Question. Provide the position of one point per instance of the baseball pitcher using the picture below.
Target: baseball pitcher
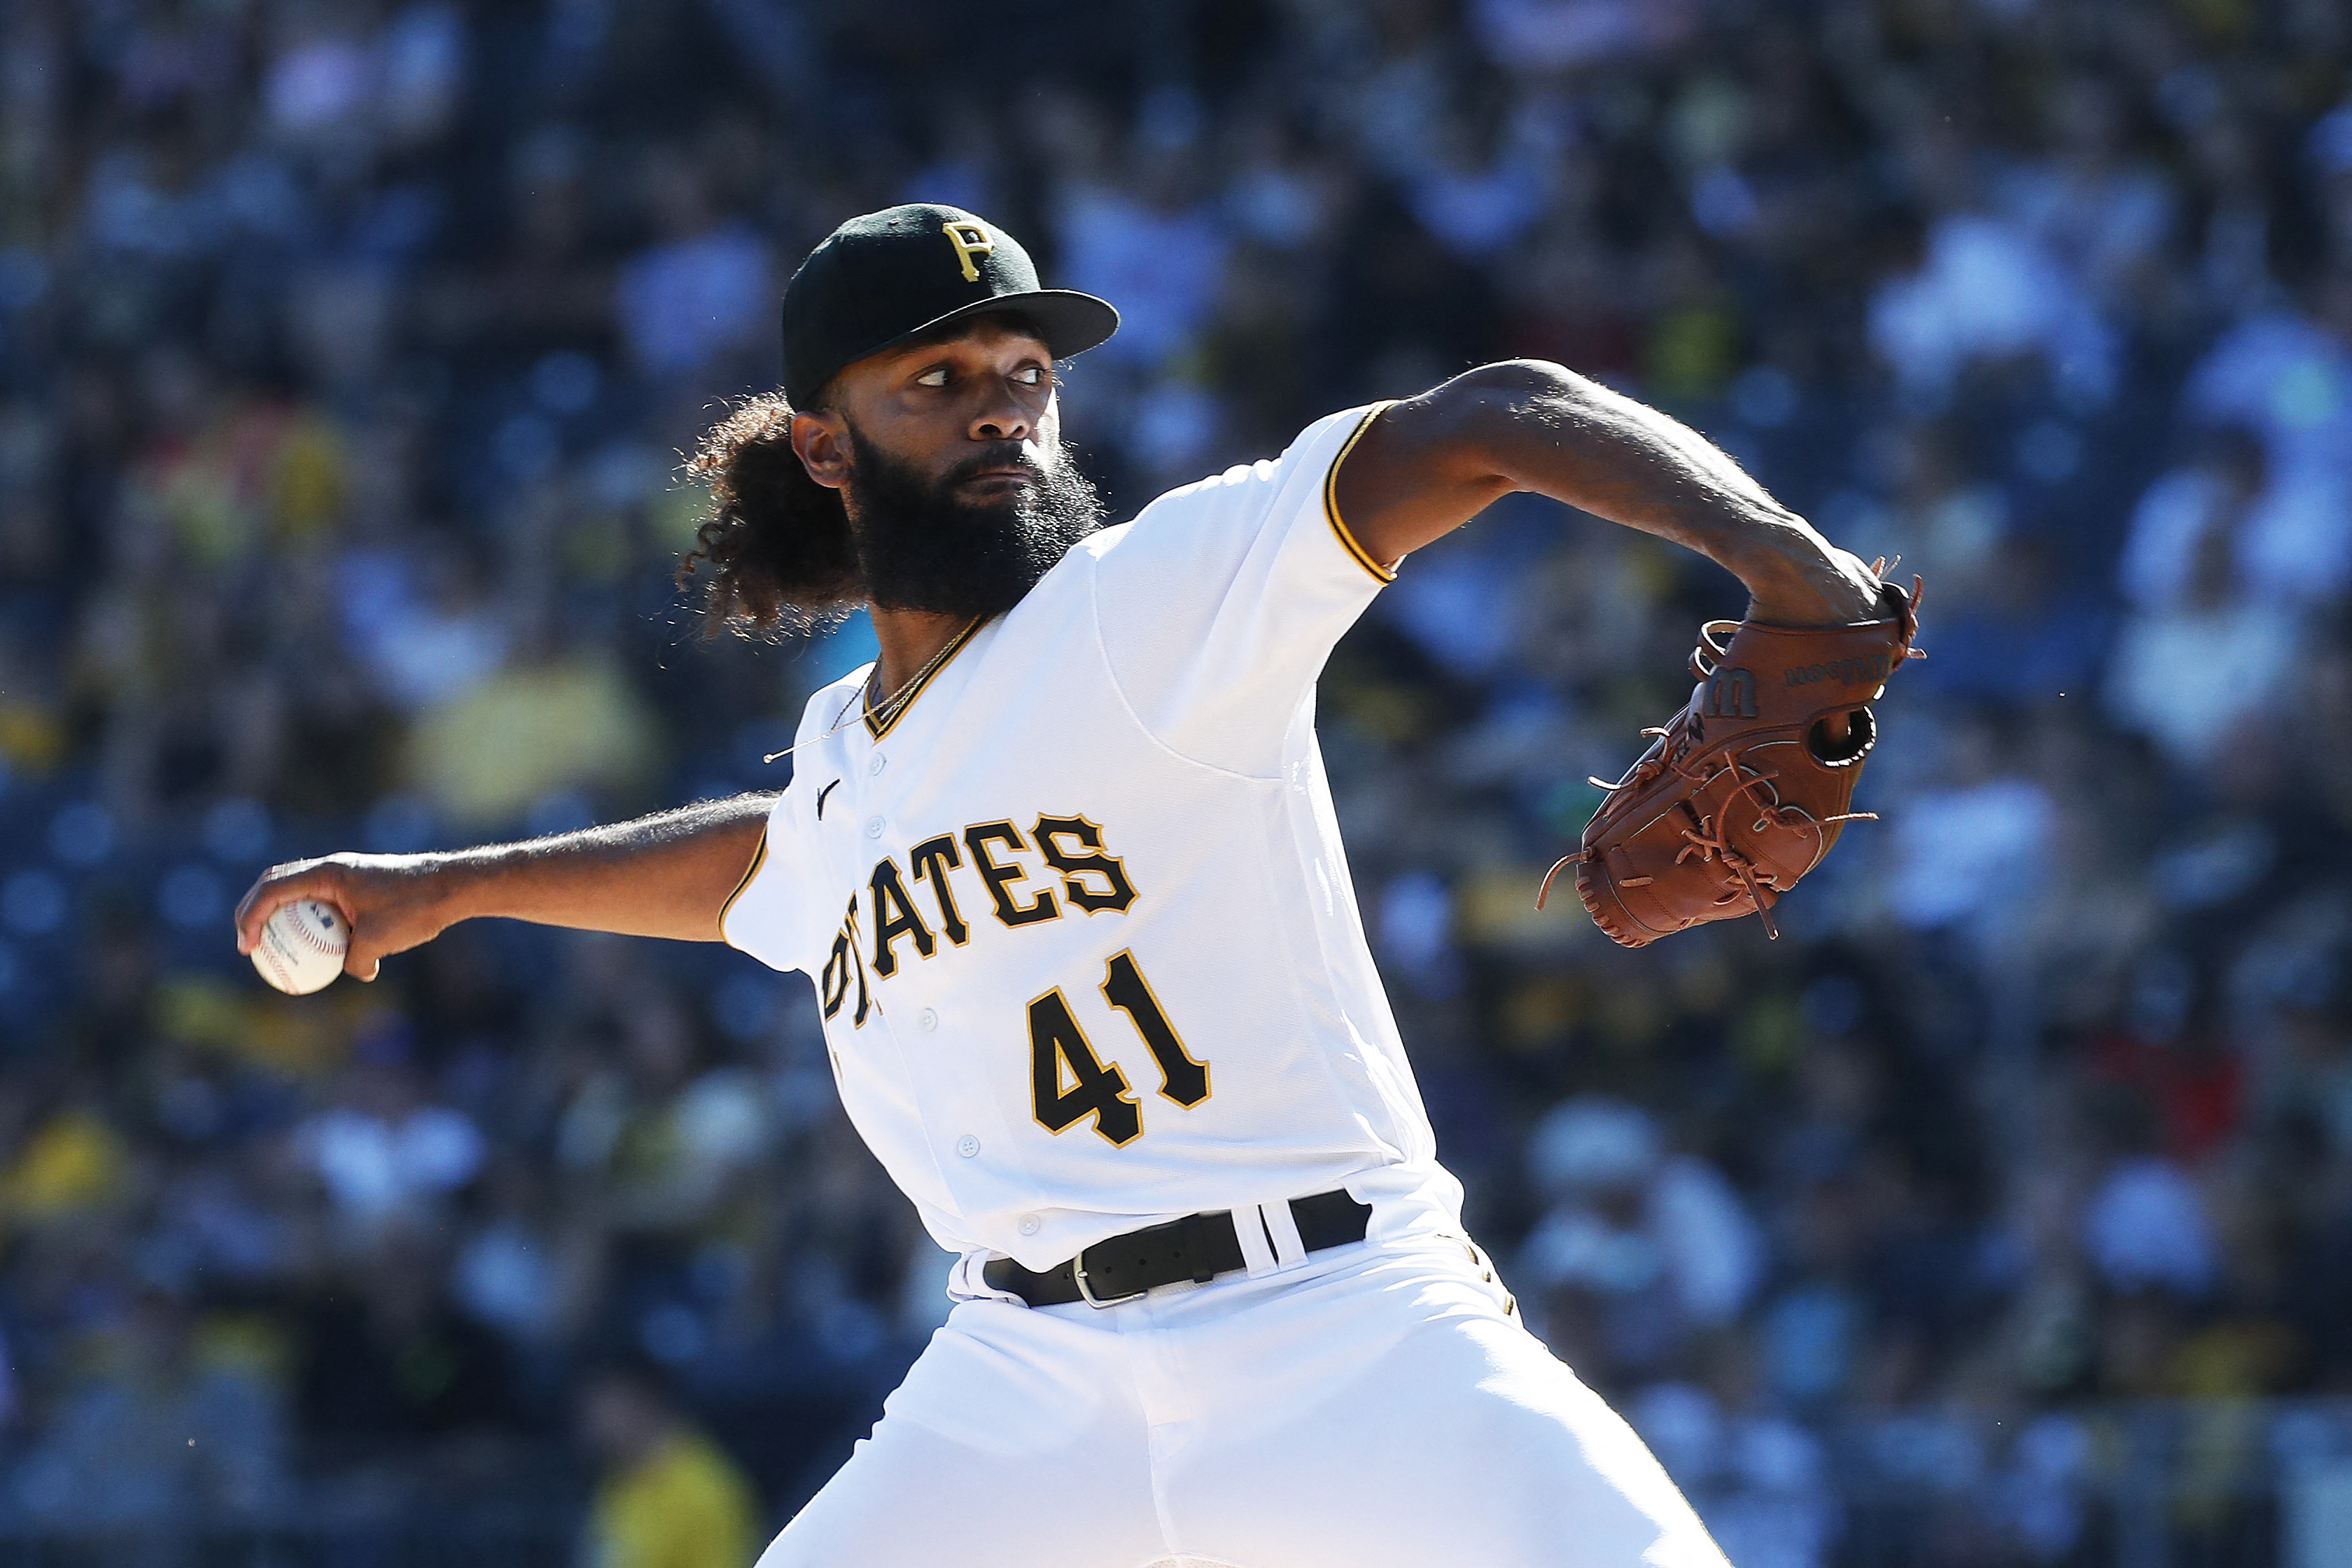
(1063, 872)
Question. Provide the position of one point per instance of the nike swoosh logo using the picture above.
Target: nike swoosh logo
(820, 798)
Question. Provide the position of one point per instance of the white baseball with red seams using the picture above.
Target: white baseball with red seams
(302, 946)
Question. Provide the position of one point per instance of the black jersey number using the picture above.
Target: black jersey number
(1182, 1079)
(1067, 1080)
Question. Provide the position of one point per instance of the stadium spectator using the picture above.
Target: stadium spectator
(668, 1498)
(342, 348)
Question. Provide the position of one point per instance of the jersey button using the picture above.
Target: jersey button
(872, 827)
(967, 1145)
(877, 763)
(1031, 1224)
(928, 1019)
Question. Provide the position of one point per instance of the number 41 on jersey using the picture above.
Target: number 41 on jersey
(1067, 1080)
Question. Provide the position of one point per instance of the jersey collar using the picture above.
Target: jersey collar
(878, 729)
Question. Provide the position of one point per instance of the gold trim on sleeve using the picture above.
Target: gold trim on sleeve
(1331, 498)
(759, 859)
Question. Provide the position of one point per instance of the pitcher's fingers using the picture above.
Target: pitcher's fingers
(364, 959)
(274, 890)
(254, 910)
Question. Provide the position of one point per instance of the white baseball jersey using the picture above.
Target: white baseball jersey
(1079, 918)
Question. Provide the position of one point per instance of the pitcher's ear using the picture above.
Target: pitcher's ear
(820, 442)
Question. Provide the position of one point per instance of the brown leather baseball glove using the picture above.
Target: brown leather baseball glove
(1746, 789)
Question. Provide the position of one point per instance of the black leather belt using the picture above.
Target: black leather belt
(1199, 1247)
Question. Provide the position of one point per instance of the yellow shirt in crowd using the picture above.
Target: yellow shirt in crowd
(684, 1505)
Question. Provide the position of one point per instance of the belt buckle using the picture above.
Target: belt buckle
(1078, 1271)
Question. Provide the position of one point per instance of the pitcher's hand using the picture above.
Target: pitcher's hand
(1814, 584)
(393, 902)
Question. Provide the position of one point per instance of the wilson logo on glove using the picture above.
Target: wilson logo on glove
(1849, 670)
(1731, 694)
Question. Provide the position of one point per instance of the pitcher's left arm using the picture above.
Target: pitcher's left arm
(1429, 464)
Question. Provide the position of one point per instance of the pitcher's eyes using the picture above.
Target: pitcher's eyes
(1028, 375)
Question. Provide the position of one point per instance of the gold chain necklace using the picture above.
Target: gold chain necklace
(885, 713)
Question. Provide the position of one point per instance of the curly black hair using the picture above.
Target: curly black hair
(781, 558)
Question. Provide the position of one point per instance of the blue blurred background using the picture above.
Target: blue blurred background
(2001, 1213)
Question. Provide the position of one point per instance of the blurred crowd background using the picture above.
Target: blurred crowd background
(2000, 1212)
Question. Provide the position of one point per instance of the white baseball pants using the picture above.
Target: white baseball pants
(1374, 1407)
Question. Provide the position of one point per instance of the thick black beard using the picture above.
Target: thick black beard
(919, 547)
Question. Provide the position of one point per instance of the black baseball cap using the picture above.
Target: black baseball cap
(886, 277)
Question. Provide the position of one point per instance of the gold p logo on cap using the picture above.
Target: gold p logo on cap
(970, 240)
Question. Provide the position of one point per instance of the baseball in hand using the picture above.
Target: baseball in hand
(302, 946)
